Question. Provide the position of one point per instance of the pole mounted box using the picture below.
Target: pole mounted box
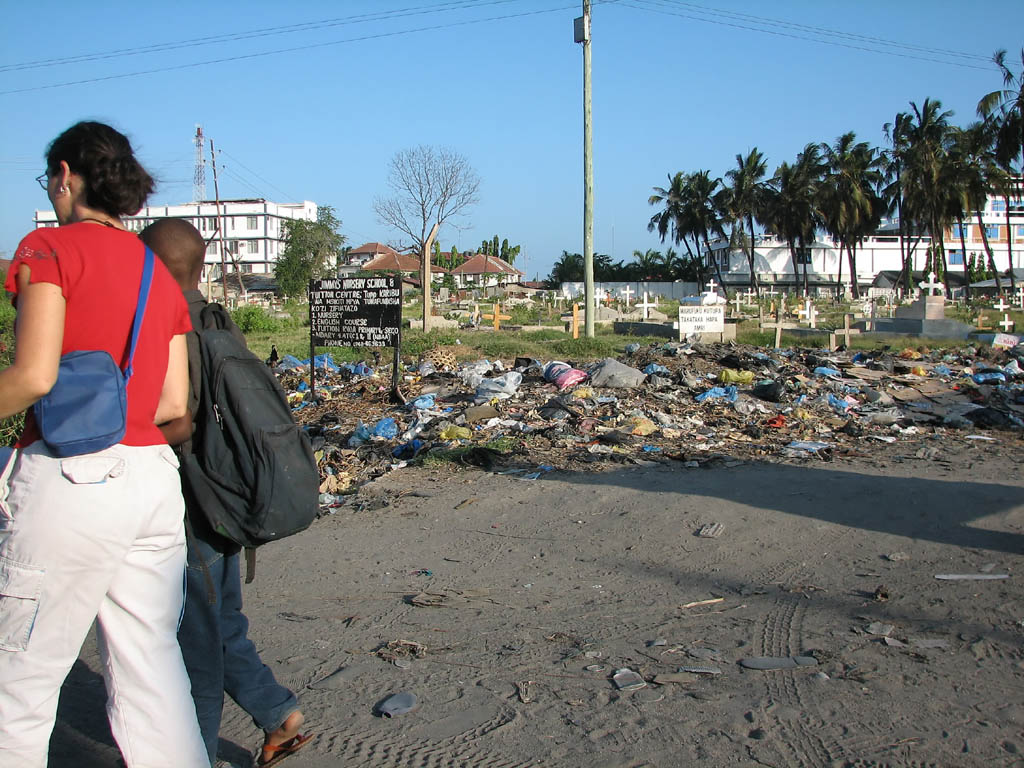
(581, 29)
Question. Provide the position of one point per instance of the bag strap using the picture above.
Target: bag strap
(140, 309)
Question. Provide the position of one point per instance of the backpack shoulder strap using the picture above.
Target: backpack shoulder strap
(214, 317)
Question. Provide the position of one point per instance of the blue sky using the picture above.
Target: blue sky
(676, 86)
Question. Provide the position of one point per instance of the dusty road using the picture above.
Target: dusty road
(525, 596)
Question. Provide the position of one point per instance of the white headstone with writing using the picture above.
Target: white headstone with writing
(703, 318)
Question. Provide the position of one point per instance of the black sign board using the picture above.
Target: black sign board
(356, 311)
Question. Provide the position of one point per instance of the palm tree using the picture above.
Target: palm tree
(975, 171)
(851, 205)
(685, 214)
(1005, 107)
(746, 199)
(894, 160)
(568, 269)
(648, 264)
(1004, 110)
(704, 198)
(791, 205)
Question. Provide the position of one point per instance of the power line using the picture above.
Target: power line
(654, 6)
(255, 33)
(293, 49)
(833, 32)
(251, 171)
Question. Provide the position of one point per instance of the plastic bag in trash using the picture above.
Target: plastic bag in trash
(611, 373)
(356, 369)
(640, 425)
(422, 403)
(452, 432)
(732, 376)
(984, 378)
(407, 451)
(632, 349)
(715, 393)
(772, 391)
(290, 362)
(324, 361)
(822, 370)
(501, 388)
(426, 368)
(656, 369)
(570, 378)
(554, 368)
(359, 436)
(386, 428)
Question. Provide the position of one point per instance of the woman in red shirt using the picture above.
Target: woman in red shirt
(99, 536)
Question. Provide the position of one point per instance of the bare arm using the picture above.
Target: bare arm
(39, 335)
(179, 430)
(174, 396)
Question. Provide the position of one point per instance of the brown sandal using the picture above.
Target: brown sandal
(272, 754)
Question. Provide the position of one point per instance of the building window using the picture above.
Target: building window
(254, 246)
(992, 232)
(211, 247)
(803, 255)
(211, 223)
(1020, 231)
(961, 230)
(956, 257)
(251, 222)
(997, 206)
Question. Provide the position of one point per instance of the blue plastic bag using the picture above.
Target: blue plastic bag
(729, 393)
(359, 436)
(660, 370)
(984, 378)
(386, 428)
(823, 371)
(407, 451)
(422, 403)
(839, 405)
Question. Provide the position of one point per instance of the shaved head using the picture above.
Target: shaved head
(180, 247)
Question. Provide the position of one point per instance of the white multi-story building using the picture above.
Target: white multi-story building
(877, 253)
(253, 230)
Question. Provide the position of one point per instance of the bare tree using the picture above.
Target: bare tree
(429, 185)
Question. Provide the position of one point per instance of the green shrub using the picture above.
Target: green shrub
(253, 319)
(415, 343)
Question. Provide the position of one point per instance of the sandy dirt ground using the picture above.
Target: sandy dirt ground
(509, 604)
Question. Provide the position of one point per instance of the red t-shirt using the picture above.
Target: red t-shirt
(98, 269)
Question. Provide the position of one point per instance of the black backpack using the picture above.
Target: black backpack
(251, 472)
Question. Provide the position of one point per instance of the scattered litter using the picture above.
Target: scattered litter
(710, 530)
(971, 576)
(626, 679)
(878, 628)
(700, 669)
(710, 601)
(397, 704)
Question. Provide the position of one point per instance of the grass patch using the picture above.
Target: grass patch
(454, 455)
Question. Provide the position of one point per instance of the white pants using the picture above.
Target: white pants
(98, 537)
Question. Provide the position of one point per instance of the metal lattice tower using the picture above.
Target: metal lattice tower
(199, 177)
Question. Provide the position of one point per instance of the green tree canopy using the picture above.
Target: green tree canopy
(311, 250)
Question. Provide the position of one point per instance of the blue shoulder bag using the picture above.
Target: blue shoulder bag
(86, 410)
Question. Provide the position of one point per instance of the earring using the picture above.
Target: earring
(63, 189)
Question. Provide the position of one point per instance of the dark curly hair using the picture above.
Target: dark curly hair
(115, 182)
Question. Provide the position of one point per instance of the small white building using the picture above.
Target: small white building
(253, 230)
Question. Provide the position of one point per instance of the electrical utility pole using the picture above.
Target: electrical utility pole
(220, 226)
(581, 34)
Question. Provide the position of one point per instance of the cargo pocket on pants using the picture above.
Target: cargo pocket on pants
(20, 586)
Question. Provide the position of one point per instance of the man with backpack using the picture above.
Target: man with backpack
(218, 654)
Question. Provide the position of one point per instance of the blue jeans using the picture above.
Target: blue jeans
(218, 654)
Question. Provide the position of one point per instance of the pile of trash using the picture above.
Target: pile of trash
(688, 405)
